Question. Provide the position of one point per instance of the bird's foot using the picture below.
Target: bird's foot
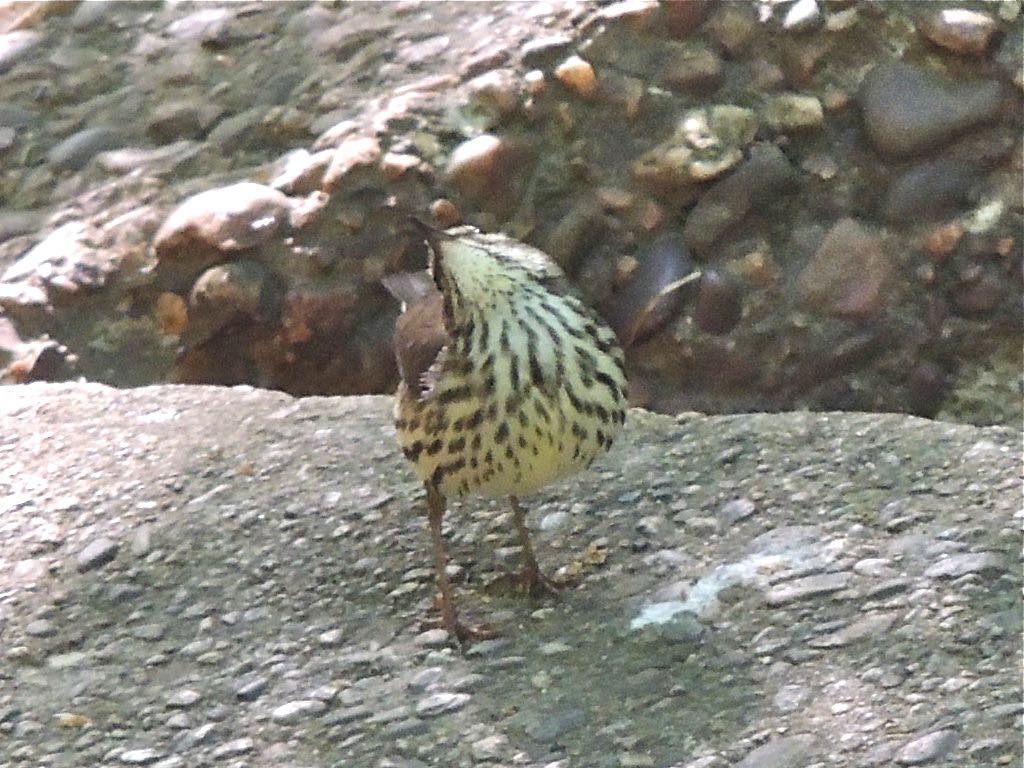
(536, 584)
(448, 620)
(464, 633)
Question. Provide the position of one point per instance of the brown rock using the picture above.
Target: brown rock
(229, 218)
(171, 313)
(691, 67)
(578, 76)
(488, 170)
(302, 172)
(681, 17)
(225, 294)
(959, 30)
(353, 154)
(719, 304)
(849, 275)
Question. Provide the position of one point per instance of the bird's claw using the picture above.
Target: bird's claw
(464, 633)
(536, 584)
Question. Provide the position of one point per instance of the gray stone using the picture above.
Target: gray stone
(553, 725)
(332, 638)
(439, 703)
(16, 116)
(955, 566)
(251, 689)
(234, 748)
(297, 711)
(183, 699)
(758, 182)
(928, 748)
(41, 628)
(97, 553)
(77, 150)
(15, 45)
(908, 109)
(733, 511)
(140, 756)
(785, 752)
(489, 748)
(808, 586)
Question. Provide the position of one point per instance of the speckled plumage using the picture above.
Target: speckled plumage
(528, 384)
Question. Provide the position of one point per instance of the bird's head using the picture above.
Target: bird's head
(474, 270)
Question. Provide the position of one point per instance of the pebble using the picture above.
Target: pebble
(41, 628)
(578, 76)
(140, 756)
(928, 748)
(15, 45)
(908, 109)
(485, 169)
(16, 116)
(707, 142)
(544, 51)
(871, 625)
(554, 725)
(849, 275)
(97, 553)
(793, 111)
(960, 30)
(929, 190)
(439, 703)
(736, 510)
(297, 711)
(649, 301)
(691, 67)
(554, 521)
(77, 150)
(808, 586)
(719, 306)
(954, 566)
(250, 690)
(228, 218)
(352, 156)
(784, 752)
(489, 748)
(332, 638)
(234, 748)
(183, 699)
(176, 120)
(802, 15)
(759, 181)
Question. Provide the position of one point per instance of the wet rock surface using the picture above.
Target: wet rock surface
(285, 145)
(202, 576)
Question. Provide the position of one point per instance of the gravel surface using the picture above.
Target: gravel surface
(231, 577)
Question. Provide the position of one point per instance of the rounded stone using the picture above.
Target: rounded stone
(97, 553)
(75, 152)
(230, 218)
(849, 274)
(909, 109)
(960, 30)
(297, 711)
(719, 303)
(928, 748)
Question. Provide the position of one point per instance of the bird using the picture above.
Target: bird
(508, 382)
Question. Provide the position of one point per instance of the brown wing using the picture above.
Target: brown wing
(419, 338)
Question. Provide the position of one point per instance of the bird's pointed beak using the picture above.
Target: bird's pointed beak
(435, 238)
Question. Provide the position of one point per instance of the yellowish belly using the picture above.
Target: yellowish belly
(481, 447)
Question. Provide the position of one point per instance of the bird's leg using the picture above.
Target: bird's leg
(531, 579)
(449, 618)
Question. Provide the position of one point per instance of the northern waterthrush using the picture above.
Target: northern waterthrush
(508, 381)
